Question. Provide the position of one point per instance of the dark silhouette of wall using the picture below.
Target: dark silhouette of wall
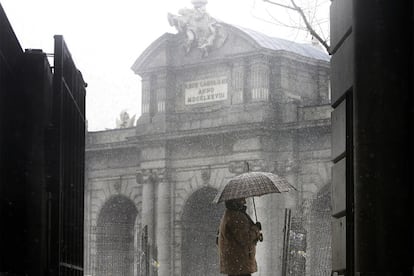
(42, 130)
(372, 93)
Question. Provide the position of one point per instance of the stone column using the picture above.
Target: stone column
(145, 177)
(163, 226)
(264, 250)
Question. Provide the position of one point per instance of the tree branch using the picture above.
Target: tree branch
(305, 20)
(280, 5)
(310, 28)
(280, 23)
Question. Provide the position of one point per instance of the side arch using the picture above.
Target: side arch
(108, 188)
(115, 232)
(187, 185)
(319, 240)
(200, 221)
(100, 192)
(187, 189)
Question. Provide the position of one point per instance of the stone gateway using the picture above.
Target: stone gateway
(206, 114)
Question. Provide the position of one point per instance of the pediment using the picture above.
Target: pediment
(174, 51)
(154, 56)
(169, 51)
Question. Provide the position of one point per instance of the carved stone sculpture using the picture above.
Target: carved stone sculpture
(201, 30)
(124, 121)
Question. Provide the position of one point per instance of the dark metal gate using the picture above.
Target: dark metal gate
(66, 139)
(42, 143)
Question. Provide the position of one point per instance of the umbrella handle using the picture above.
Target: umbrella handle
(254, 207)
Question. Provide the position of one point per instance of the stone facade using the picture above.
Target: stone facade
(204, 118)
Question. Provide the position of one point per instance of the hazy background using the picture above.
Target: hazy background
(105, 37)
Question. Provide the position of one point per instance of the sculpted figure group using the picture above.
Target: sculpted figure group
(201, 30)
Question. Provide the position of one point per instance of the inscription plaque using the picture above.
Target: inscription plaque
(206, 90)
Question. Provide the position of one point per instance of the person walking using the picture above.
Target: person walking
(237, 239)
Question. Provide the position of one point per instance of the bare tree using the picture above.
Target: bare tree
(308, 25)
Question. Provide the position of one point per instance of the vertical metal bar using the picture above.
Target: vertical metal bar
(289, 217)
(284, 244)
(285, 259)
(349, 189)
(66, 218)
(55, 163)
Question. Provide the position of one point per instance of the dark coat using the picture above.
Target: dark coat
(237, 240)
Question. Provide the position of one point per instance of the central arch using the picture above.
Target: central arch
(115, 237)
(200, 219)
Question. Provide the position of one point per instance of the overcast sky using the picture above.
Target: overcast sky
(105, 37)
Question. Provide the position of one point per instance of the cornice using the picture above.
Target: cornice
(109, 146)
(140, 141)
(259, 128)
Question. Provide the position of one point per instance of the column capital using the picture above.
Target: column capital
(243, 166)
(160, 175)
(150, 176)
(238, 167)
(206, 175)
(240, 62)
(260, 165)
(260, 59)
(143, 176)
(285, 167)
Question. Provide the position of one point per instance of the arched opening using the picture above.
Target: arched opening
(115, 237)
(319, 239)
(200, 219)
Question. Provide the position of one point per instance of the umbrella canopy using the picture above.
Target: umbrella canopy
(252, 184)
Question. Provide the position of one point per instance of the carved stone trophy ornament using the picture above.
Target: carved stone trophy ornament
(124, 121)
(200, 29)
